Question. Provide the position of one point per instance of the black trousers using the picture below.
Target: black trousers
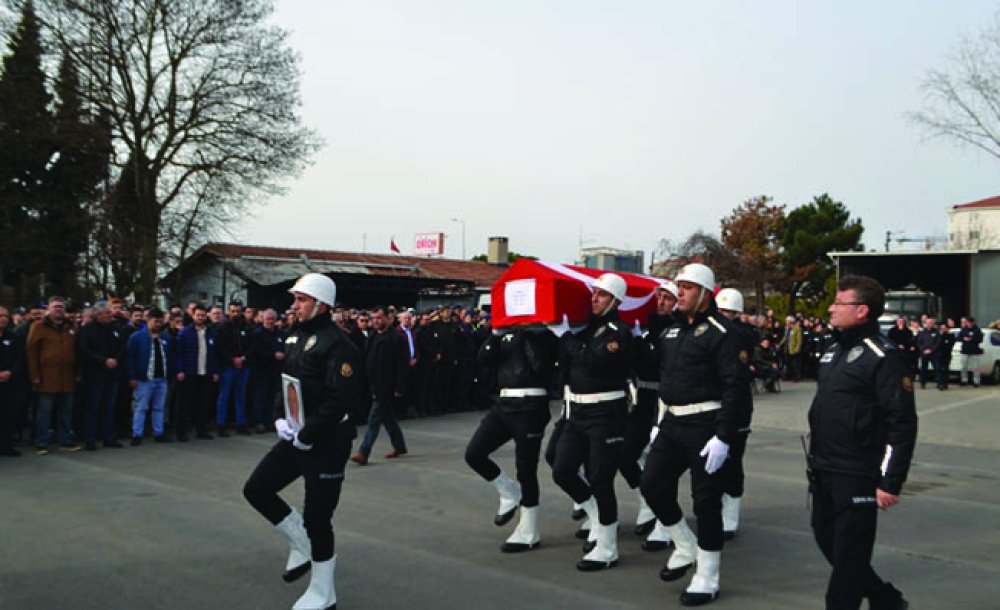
(6, 418)
(197, 403)
(675, 450)
(526, 426)
(638, 424)
(593, 435)
(322, 470)
(734, 482)
(844, 518)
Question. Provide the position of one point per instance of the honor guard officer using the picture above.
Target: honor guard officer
(863, 427)
(594, 367)
(730, 304)
(326, 363)
(642, 416)
(705, 401)
(524, 359)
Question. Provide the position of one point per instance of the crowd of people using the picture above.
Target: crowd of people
(101, 374)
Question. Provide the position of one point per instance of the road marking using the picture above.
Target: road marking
(955, 405)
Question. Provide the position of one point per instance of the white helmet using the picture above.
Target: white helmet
(668, 286)
(613, 284)
(318, 286)
(730, 299)
(699, 274)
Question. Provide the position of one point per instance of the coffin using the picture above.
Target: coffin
(538, 292)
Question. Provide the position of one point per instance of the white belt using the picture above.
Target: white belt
(647, 385)
(522, 392)
(590, 399)
(691, 409)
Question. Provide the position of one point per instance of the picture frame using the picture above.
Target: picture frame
(291, 394)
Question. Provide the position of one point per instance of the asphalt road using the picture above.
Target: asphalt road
(165, 526)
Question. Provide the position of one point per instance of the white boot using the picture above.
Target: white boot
(320, 595)
(299, 548)
(510, 498)
(645, 520)
(685, 551)
(658, 539)
(525, 536)
(704, 586)
(730, 516)
(577, 512)
(605, 552)
(589, 524)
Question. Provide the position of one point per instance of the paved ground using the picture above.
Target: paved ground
(165, 526)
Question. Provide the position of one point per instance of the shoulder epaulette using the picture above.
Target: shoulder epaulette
(717, 324)
(875, 348)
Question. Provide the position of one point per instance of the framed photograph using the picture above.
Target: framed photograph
(291, 392)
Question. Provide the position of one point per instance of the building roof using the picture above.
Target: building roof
(267, 265)
(991, 202)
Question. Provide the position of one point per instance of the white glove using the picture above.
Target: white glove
(284, 429)
(304, 447)
(562, 328)
(637, 330)
(717, 452)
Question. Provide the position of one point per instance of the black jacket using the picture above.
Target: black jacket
(705, 360)
(11, 356)
(264, 347)
(863, 420)
(95, 344)
(903, 338)
(647, 348)
(387, 364)
(524, 358)
(326, 363)
(599, 358)
(970, 339)
(233, 340)
(929, 339)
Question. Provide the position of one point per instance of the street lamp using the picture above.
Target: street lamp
(459, 220)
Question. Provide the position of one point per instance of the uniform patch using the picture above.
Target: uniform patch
(600, 331)
(613, 327)
(310, 342)
(744, 358)
(700, 329)
(673, 332)
(613, 347)
(346, 370)
(827, 357)
(292, 339)
(908, 384)
(855, 353)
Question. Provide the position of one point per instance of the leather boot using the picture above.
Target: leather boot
(704, 587)
(685, 551)
(525, 536)
(321, 594)
(510, 498)
(299, 547)
(605, 552)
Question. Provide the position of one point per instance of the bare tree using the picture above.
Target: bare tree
(203, 100)
(963, 100)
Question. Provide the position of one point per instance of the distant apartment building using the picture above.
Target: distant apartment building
(975, 225)
(613, 259)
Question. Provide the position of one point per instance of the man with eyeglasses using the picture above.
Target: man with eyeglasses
(863, 427)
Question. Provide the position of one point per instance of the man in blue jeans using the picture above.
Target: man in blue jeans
(388, 365)
(147, 362)
(234, 348)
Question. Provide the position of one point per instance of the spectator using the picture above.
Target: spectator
(216, 315)
(929, 344)
(765, 364)
(101, 348)
(269, 352)
(53, 367)
(947, 343)
(235, 351)
(791, 348)
(970, 337)
(197, 369)
(148, 367)
(10, 357)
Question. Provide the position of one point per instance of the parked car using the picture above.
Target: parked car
(989, 360)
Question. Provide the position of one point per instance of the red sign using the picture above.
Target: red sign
(428, 244)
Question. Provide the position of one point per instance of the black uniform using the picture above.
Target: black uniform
(642, 416)
(702, 361)
(596, 361)
(326, 363)
(749, 338)
(11, 357)
(524, 359)
(863, 426)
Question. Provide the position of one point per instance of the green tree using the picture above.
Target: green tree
(753, 234)
(26, 135)
(512, 257)
(810, 232)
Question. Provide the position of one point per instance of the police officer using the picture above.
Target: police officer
(525, 359)
(863, 427)
(730, 304)
(705, 402)
(594, 366)
(325, 362)
(642, 416)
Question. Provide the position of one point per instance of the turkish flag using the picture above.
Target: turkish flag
(393, 246)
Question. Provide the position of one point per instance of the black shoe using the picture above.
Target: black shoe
(205, 436)
(221, 432)
(655, 545)
(90, 446)
(578, 514)
(672, 574)
(136, 441)
(582, 534)
(588, 565)
(10, 452)
(296, 573)
(243, 431)
(697, 599)
(728, 535)
(163, 438)
(113, 445)
(891, 599)
(517, 547)
(589, 545)
(505, 517)
(182, 438)
(643, 529)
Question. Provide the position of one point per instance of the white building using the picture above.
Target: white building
(975, 226)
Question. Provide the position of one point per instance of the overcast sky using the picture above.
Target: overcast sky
(622, 122)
